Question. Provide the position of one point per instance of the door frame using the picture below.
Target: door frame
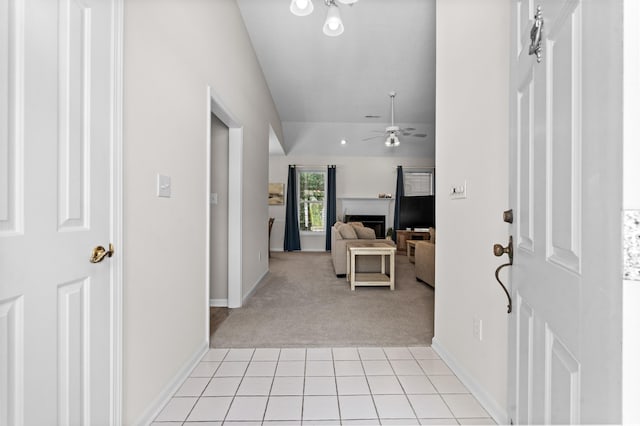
(631, 204)
(116, 263)
(216, 107)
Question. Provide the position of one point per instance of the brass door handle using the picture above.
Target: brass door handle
(99, 253)
(499, 250)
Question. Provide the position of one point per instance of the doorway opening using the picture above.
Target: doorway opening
(223, 286)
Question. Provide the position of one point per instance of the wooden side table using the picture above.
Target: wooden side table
(403, 236)
(371, 278)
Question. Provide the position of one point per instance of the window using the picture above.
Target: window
(418, 183)
(311, 200)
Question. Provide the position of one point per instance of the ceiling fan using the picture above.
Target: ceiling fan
(392, 132)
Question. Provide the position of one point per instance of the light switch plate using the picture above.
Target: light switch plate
(164, 186)
(459, 191)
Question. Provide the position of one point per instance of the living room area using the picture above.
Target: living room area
(306, 289)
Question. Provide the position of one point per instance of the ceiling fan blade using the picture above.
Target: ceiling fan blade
(408, 129)
(419, 135)
(373, 137)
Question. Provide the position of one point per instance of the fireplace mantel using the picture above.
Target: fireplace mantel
(354, 205)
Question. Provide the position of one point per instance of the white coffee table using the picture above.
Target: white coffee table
(371, 278)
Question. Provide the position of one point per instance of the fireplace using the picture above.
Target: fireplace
(375, 222)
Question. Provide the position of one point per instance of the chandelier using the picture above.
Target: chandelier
(333, 25)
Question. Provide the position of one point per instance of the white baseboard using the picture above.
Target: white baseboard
(219, 303)
(494, 409)
(174, 384)
(253, 289)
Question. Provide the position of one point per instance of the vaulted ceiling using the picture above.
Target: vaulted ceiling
(324, 87)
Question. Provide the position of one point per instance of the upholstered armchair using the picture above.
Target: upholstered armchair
(426, 259)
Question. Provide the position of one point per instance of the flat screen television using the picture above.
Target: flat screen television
(417, 212)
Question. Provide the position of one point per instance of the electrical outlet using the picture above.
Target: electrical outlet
(477, 329)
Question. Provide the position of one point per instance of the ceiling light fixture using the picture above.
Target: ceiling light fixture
(333, 25)
(301, 7)
(392, 140)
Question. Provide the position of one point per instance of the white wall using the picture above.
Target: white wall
(472, 123)
(219, 212)
(173, 51)
(355, 177)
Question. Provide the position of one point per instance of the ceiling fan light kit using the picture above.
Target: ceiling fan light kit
(393, 131)
(392, 140)
(333, 25)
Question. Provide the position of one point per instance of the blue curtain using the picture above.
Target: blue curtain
(331, 204)
(399, 195)
(291, 226)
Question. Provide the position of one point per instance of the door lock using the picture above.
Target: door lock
(507, 216)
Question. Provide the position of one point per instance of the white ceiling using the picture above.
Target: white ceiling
(324, 86)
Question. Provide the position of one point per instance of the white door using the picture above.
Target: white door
(55, 135)
(566, 140)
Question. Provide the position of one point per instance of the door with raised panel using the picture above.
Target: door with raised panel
(566, 139)
(56, 85)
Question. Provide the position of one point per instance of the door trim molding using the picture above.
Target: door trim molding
(216, 107)
(117, 231)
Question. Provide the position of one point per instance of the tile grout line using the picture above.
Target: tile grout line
(203, 389)
(304, 383)
(238, 388)
(273, 378)
(415, 413)
(335, 379)
(366, 379)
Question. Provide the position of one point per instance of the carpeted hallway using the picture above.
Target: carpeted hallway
(302, 303)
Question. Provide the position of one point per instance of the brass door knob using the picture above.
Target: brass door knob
(99, 253)
(499, 250)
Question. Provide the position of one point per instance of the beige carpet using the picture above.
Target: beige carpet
(302, 303)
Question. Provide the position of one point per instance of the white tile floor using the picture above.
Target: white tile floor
(322, 386)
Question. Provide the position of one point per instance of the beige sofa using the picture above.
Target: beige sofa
(426, 259)
(343, 234)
